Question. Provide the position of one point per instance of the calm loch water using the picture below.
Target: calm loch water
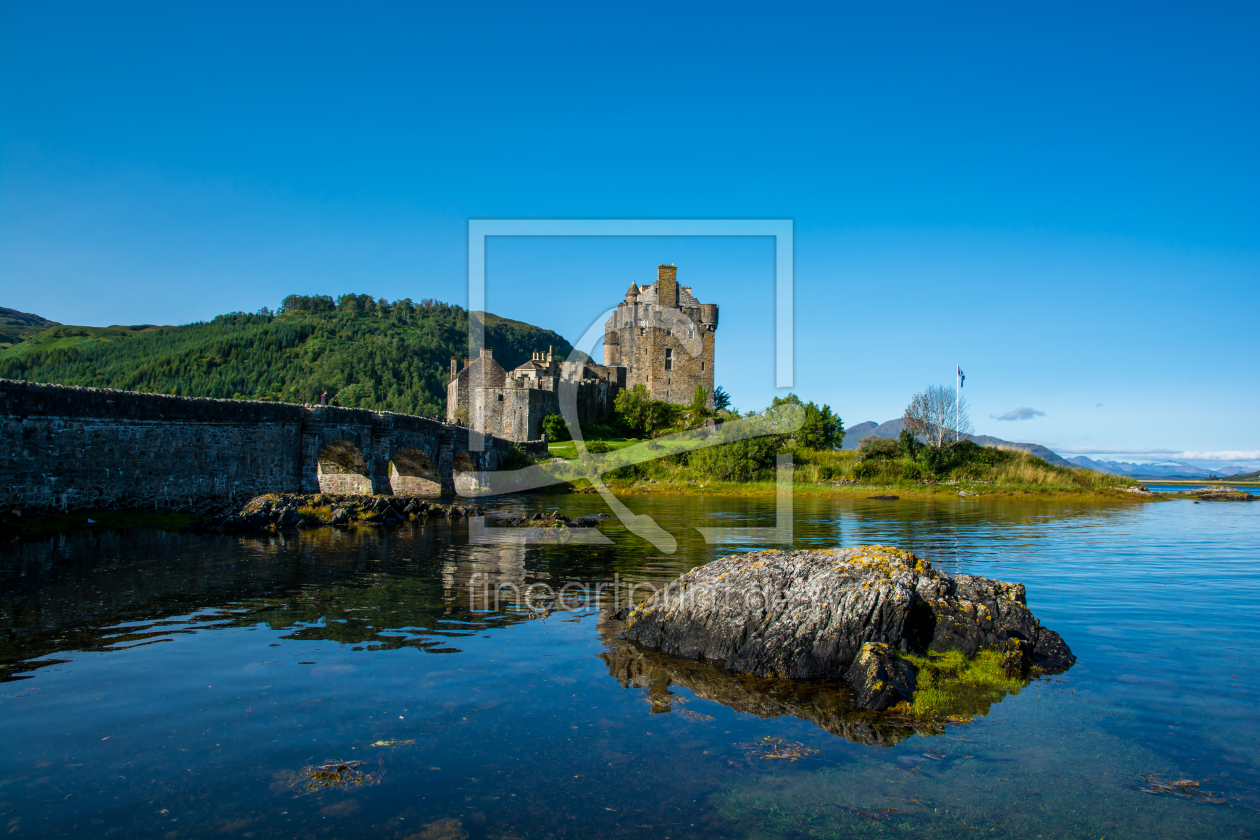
(331, 685)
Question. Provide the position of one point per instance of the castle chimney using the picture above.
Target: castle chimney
(454, 367)
(486, 353)
(667, 285)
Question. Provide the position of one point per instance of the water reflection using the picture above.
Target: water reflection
(195, 676)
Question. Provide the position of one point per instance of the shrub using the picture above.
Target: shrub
(824, 473)
(910, 471)
(602, 430)
(873, 448)
(555, 428)
(742, 460)
(911, 446)
(597, 446)
(517, 459)
(866, 470)
(638, 412)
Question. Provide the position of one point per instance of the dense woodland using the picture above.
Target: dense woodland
(369, 353)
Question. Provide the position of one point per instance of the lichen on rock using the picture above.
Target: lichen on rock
(812, 615)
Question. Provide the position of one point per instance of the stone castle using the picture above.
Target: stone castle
(660, 337)
(663, 337)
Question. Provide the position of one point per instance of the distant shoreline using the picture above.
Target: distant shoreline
(1228, 482)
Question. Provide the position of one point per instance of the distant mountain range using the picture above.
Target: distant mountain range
(1165, 469)
(892, 429)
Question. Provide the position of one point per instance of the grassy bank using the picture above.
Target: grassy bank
(843, 474)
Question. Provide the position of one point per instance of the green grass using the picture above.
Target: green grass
(568, 449)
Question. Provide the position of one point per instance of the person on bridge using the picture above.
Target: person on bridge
(323, 398)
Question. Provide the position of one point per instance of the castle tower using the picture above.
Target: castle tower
(664, 338)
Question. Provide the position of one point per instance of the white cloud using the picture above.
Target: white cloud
(1021, 413)
(1225, 455)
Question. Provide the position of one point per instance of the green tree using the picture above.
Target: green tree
(399, 361)
(721, 399)
(555, 428)
(820, 429)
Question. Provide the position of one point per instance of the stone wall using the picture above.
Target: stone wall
(517, 414)
(514, 413)
(69, 448)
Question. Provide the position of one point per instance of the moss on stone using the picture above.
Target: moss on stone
(949, 685)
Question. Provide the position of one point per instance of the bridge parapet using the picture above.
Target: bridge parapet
(71, 448)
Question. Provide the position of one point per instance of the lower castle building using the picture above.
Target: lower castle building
(660, 337)
(512, 404)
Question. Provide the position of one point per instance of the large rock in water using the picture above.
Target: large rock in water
(808, 614)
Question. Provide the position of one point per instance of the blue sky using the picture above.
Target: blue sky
(1062, 197)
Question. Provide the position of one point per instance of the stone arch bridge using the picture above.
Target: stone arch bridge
(70, 448)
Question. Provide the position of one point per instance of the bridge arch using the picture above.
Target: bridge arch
(464, 473)
(413, 473)
(342, 469)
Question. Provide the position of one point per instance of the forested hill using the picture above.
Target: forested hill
(370, 353)
(16, 326)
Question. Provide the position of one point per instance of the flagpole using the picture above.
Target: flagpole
(957, 407)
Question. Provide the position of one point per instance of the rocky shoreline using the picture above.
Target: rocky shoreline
(1215, 494)
(276, 512)
(550, 520)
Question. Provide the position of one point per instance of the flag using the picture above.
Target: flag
(962, 377)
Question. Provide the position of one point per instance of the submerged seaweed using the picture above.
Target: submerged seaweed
(334, 775)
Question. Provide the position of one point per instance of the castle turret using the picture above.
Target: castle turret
(632, 294)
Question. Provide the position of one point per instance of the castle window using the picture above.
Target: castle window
(702, 366)
(669, 359)
(642, 330)
(669, 332)
(500, 398)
